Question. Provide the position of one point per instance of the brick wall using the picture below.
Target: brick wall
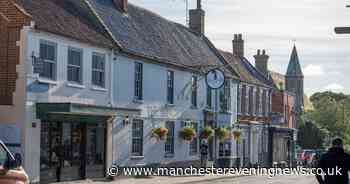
(278, 102)
(283, 102)
(12, 19)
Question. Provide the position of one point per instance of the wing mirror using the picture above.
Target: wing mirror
(13, 163)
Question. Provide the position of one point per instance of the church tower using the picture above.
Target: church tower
(295, 80)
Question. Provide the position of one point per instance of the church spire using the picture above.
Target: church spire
(294, 68)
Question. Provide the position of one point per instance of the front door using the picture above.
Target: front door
(72, 160)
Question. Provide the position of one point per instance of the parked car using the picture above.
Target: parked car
(11, 171)
(306, 156)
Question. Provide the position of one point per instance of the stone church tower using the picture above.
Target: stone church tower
(295, 80)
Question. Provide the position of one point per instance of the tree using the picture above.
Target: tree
(311, 136)
(331, 113)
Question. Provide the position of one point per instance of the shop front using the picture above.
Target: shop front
(281, 146)
(73, 141)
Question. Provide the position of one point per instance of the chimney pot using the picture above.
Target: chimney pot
(196, 22)
(238, 45)
(261, 62)
(239, 36)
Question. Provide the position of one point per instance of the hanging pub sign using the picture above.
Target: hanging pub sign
(215, 78)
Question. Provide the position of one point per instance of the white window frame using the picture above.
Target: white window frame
(103, 71)
(170, 86)
(134, 145)
(75, 66)
(169, 144)
(138, 82)
(53, 62)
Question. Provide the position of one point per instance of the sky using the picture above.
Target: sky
(275, 25)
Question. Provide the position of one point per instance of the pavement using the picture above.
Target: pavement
(205, 180)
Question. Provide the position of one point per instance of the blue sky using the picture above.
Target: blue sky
(272, 25)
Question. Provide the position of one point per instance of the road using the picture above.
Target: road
(266, 180)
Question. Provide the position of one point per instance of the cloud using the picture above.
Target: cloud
(313, 70)
(334, 87)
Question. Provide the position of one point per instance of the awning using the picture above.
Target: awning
(73, 112)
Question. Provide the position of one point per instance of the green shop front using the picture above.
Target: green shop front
(74, 140)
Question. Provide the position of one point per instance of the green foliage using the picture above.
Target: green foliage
(311, 136)
(207, 132)
(160, 133)
(331, 114)
(187, 133)
(222, 133)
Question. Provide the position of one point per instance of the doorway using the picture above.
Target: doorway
(71, 151)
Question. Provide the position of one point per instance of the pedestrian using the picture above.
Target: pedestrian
(335, 165)
(204, 152)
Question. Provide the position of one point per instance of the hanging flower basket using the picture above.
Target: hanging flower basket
(222, 133)
(188, 133)
(160, 133)
(237, 134)
(207, 132)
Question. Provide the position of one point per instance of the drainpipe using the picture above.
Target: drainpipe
(112, 58)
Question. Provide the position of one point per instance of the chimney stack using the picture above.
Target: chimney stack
(122, 5)
(197, 19)
(261, 62)
(238, 45)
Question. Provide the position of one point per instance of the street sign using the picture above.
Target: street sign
(215, 78)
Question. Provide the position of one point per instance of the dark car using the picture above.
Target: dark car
(11, 171)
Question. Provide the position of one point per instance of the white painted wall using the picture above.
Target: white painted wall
(155, 105)
(57, 91)
(154, 110)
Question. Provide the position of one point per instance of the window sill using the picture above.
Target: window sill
(96, 88)
(47, 81)
(137, 157)
(76, 85)
(138, 101)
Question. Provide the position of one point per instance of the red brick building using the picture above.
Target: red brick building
(283, 104)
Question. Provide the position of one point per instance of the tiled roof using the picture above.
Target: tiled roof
(145, 33)
(69, 18)
(294, 68)
(246, 71)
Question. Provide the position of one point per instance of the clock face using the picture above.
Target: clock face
(215, 78)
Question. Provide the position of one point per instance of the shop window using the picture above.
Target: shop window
(137, 138)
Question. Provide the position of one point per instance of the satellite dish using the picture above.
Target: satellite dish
(215, 78)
